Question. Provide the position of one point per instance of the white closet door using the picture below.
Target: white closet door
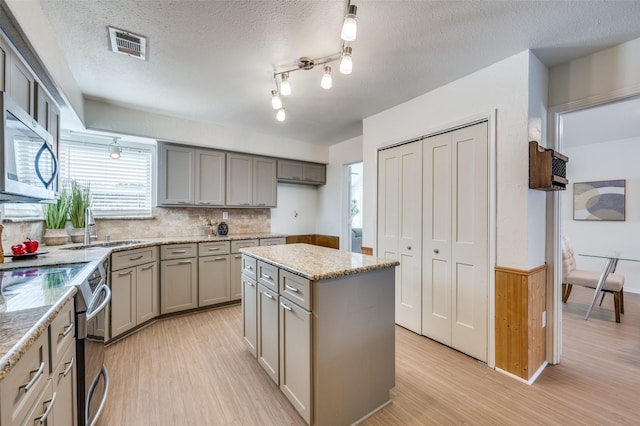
(400, 226)
(455, 286)
(436, 293)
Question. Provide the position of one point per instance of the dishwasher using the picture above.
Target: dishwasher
(92, 302)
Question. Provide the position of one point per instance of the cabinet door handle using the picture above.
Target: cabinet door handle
(34, 379)
(250, 284)
(183, 262)
(66, 330)
(268, 295)
(178, 251)
(122, 274)
(43, 418)
(267, 277)
(204, 202)
(249, 267)
(237, 256)
(286, 307)
(293, 289)
(136, 258)
(261, 204)
(213, 249)
(219, 258)
(69, 367)
(183, 202)
(146, 268)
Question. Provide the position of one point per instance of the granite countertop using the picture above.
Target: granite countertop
(27, 311)
(318, 263)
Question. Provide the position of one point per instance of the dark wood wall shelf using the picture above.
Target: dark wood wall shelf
(547, 168)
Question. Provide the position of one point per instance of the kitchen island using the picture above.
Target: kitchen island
(321, 324)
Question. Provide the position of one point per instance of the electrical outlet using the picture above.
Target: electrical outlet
(225, 215)
(544, 319)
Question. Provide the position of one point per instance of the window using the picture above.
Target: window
(118, 187)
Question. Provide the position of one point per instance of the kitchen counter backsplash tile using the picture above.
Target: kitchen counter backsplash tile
(318, 263)
(164, 223)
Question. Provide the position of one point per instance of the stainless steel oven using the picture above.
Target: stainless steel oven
(92, 303)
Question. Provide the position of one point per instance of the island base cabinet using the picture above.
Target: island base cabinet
(178, 285)
(268, 332)
(295, 357)
(250, 314)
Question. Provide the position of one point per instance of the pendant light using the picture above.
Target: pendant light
(346, 65)
(114, 149)
(276, 102)
(285, 87)
(326, 81)
(350, 26)
(280, 115)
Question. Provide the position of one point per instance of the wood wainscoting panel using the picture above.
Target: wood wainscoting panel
(520, 305)
(315, 239)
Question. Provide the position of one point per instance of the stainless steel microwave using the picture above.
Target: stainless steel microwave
(28, 164)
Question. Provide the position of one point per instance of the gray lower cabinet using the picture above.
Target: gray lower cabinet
(268, 348)
(250, 314)
(214, 273)
(178, 277)
(64, 385)
(135, 296)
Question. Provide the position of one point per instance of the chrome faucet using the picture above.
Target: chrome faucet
(89, 221)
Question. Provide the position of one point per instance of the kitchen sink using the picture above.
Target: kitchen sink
(97, 244)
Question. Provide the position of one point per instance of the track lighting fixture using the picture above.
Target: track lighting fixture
(285, 87)
(281, 77)
(276, 102)
(346, 66)
(114, 149)
(350, 26)
(326, 81)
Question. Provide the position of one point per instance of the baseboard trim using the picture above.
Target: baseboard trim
(525, 381)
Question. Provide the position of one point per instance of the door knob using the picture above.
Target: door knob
(408, 247)
(436, 251)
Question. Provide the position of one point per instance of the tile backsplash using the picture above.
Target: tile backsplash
(166, 222)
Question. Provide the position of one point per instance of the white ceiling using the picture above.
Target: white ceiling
(213, 60)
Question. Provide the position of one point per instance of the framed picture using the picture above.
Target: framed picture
(602, 200)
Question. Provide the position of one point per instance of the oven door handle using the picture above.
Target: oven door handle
(92, 388)
(93, 311)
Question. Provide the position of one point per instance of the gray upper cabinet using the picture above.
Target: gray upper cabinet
(301, 172)
(5, 59)
(190, 177)
(239, 180)
(21, 84)
(210, 177)
(265, 184)
(251, 181)
(176, 174)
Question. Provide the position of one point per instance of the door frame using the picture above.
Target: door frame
(553, 243)
(491, 118)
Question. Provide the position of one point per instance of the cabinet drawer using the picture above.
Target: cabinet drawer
(61, 333)
(272, 241)
(213, 248)
(268, 275)
(249, 266)
(134, 257)
(25, 382)
(178, 251)
(296, 289)
(237, 245)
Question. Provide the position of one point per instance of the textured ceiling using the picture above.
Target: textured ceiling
(213, 60)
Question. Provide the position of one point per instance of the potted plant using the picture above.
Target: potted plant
(55, 219)
(79, 201)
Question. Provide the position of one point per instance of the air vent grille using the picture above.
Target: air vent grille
(128, 43)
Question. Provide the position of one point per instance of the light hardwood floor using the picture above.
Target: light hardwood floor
(194, 370)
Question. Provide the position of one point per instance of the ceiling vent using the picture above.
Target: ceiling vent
(128, 43)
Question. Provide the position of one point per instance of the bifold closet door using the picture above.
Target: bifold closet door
(400, 226)
(455, 239)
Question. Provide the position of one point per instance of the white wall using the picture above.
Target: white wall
(333, 206)
(606, 161)
(502, 87)
(297, 209)
(538, 89)
(610, 72)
